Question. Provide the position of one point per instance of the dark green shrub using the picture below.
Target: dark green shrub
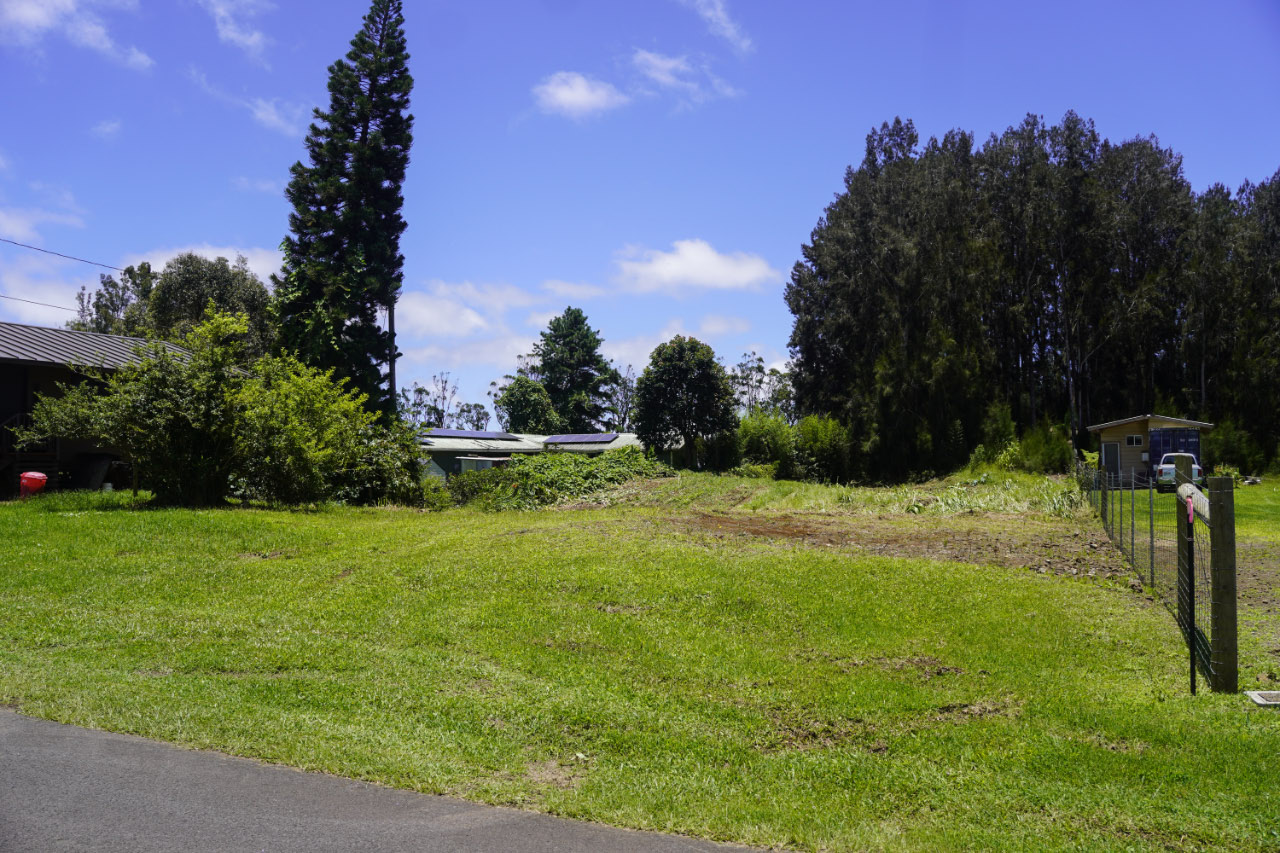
(435, 494)
(756, 472)
(719, 452)
(1228, 444)
(1044, 450)
(824, 443)
(767, 439)
(998, 430)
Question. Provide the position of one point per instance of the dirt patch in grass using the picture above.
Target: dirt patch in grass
(791, 731)
(925, 666)
(1258, 575)
(554, 774)
(963, 712)
(1062, 548)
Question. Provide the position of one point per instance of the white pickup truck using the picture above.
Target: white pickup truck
(1166, 480)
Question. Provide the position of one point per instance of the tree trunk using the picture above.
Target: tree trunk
(391, 352)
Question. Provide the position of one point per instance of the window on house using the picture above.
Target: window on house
(1133, 440)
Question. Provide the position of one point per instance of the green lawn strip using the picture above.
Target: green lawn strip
(1258, 511)
(576, 663)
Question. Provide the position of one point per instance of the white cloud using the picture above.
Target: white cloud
(540, 319)
(258, 185)
(692, 264)
(262, 262)
(576, 96)
(500, 351)
(572, 290)
(107, 128)
(719, 325)
(22, 224)
(276, 114)
(694, 83)
(483, 297)
(281, 116)
(716, 15)
(27, 22)
(41, 279)
(636, 350)
(231, 17)
(435, 315)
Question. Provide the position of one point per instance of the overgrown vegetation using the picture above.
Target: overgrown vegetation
(202, 425)
(646, 667)
(543, 479)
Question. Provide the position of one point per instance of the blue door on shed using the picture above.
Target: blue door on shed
(1173, 440)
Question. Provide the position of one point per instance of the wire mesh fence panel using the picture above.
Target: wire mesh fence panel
(1174, 556)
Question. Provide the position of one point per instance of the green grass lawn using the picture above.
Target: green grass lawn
(622, 665)
(1258, 511)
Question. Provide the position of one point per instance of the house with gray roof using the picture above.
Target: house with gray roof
(35, 360)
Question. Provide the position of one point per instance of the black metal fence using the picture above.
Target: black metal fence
(1181, 543)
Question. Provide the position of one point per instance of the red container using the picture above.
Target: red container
(31, 483)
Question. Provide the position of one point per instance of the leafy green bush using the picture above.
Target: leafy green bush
(756, 472)
(435, 494)
(1044, 450)
(826, 447)
(998, 428)
(529, 482)
(299, 434)
(469, 486)
(202, 425)
(1228, 444)
(767, 439)
(387, 470)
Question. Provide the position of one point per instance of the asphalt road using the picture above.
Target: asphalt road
(66, 788)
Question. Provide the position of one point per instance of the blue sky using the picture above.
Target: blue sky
(657, 163)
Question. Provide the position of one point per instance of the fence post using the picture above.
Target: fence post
(1133, 521)
(1222, 572)
(1186, 577)
(1151, 521)
(1102, 501)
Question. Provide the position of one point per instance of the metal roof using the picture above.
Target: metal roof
(1134, 420)
(436, 432)
(522, 443)
(40, 345)
(622, 439)
(582, 438)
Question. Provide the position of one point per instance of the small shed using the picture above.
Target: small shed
(1134, 445)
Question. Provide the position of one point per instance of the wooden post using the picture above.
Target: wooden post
(1222, 568)
(1186, 580)
(1151, 524)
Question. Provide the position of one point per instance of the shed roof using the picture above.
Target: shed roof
(1178, 421)
(21, 344)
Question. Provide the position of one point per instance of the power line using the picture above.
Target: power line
(59, 254)
(33, 302)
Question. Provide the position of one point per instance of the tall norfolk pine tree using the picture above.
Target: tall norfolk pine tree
(342, 261)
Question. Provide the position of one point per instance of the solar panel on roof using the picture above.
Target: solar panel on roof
(582, 438)
(472, 433)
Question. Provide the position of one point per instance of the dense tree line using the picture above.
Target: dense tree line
(1073, 279)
